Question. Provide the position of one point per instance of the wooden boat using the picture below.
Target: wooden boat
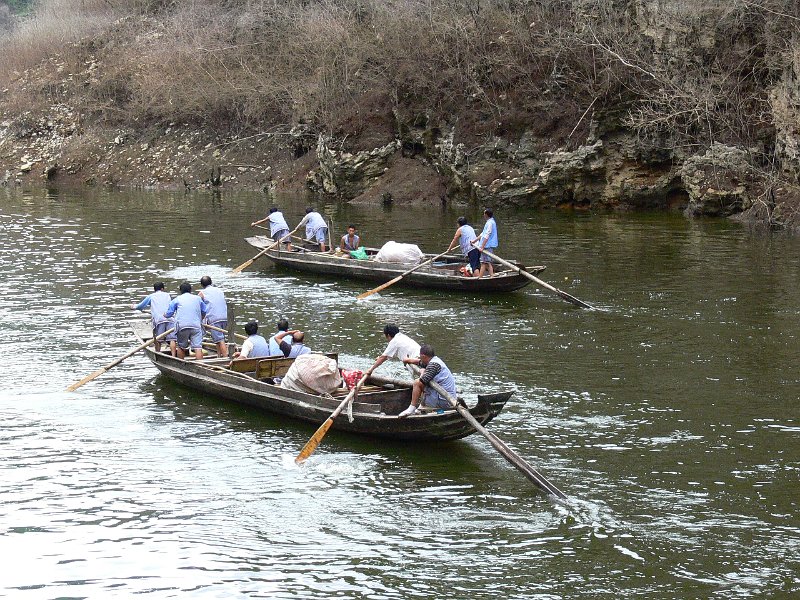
(250, 381)
(443, 274)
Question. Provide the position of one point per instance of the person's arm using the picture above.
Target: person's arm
(431, 371)
(378, 362)
(143, 304)
(247, 348)
(260, 221)
(456, 236)
(410, 361)
(488, 234)
(173, 306)
(203, 307)
(341, 243)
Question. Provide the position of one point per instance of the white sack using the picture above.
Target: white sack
(313, 374)
(395, 252)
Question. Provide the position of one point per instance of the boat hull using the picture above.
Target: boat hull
(443, 275)
(374, 413)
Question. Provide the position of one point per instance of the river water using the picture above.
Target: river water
(669, 415)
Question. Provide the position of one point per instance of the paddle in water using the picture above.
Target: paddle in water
(246, 264)
(102, 370)
(399, 277)
(515, 459)
(544, 284)
(315, 440)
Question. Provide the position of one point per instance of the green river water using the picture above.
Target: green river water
(669, 415)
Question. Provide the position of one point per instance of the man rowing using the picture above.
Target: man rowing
(158, 302)
(278, 228)
(188, 311)
(316, 227)
(488, 241)
(400, 346)
(465, 234)
(216, 312)
(435, 372)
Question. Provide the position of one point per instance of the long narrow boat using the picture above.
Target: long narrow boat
(443, 274)
(250, 381)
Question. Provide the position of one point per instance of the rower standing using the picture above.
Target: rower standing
(278, 228)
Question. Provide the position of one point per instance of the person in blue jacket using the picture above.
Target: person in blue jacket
(188, 311)
(158, 302)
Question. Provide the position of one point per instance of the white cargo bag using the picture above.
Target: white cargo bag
(313, 374)
(395, 252)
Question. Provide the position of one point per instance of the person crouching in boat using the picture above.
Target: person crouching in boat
(188, 311)
(295, 346)
(316, 228)
(435, 371)
(278, 229)
(158, 302)
(465, 234)
(255, 345)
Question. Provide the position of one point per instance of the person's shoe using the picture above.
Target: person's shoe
(411, 410)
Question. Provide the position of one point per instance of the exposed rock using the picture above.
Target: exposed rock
(719, 182)
(347, 175)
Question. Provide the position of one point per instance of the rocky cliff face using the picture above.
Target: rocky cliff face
(662, 142)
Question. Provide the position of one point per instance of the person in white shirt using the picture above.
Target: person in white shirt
(400, 346)
(316, 228)
(254, 345)
(278, 228)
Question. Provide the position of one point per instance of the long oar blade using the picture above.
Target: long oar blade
(102, 370)
(379, 288)
(315, 440)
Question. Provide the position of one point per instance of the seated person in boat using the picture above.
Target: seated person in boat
(278, 229)
(255, 345)
(316, 228)
(216, 314)
(295, 345)
(400, 346)
(188, 311)
(435, 371)
(350, 241)
(465, 234)
(158, 302)
(274, 344)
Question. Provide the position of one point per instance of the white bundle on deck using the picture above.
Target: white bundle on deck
(313, 374)
(394, 252)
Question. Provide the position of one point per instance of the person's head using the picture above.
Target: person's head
(205, 281)
(309, 209)
(426, 353)
(488, 212)
(298, 337)
(251, 328)
(158, 286)
(351, 229)
(185, 288)
(273, 209)
(283, 325)
(391, 330)
(461, 221)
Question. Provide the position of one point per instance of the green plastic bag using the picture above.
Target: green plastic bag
(359, 254)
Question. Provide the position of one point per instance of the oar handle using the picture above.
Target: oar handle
(215, 328)
(113, 364)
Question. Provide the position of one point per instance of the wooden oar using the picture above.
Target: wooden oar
(399, 277)
(246, 264)
(215, 328)
(315, 440)
(515, 459)
(544, 284)
(99, 372)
